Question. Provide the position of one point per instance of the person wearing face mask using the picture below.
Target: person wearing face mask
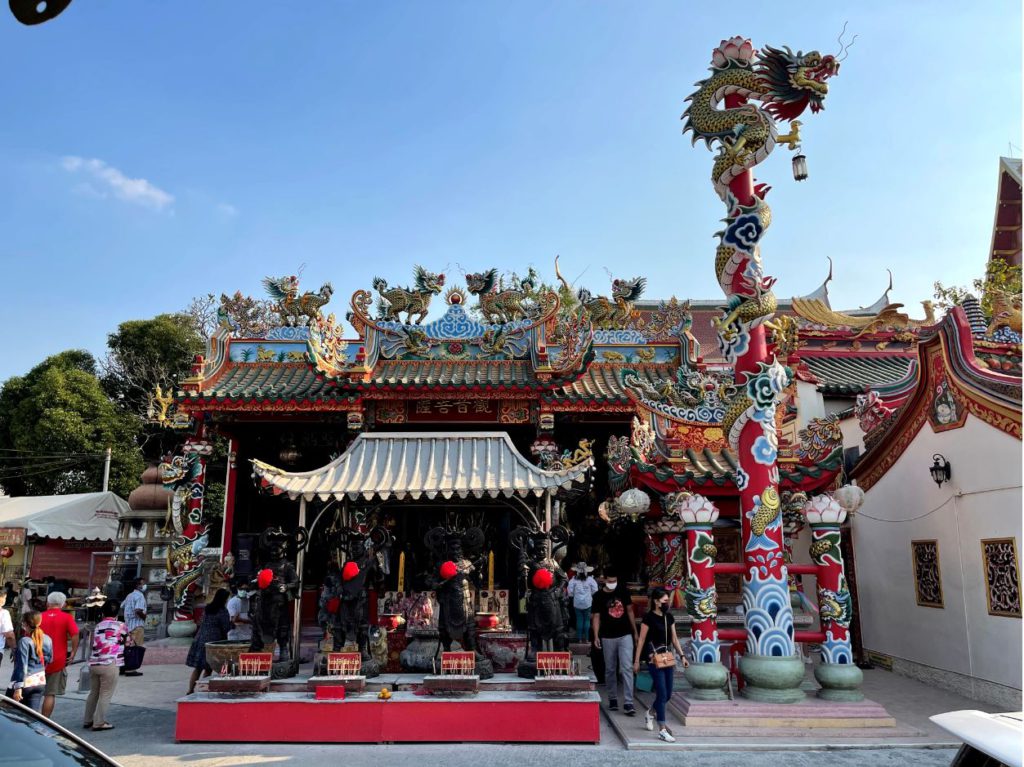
(658, 635)
(241, 630)
(135, 618)
(615, 636)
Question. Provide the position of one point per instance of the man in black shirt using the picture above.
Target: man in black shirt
(615, 635)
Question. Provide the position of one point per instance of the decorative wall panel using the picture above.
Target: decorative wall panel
(927, 578)
(1002, 576)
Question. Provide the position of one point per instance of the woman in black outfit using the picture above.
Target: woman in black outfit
(214, 628)
(658, 634)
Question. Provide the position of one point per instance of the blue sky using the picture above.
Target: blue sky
(151, 152)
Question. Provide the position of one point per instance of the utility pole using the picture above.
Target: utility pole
(106, 471)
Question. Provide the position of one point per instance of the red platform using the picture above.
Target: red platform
(509, 717)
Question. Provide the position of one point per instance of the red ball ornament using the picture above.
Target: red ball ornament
(543, 578)
(349, 571)
(265, 578)
(449, 570)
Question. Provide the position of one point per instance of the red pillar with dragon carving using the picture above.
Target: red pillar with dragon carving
(745, 132)
(185, 476)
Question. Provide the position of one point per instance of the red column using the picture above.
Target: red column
(227, 527)
(825, 516)
(839, 678)
(706, 675)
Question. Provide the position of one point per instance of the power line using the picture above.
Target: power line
(42, 452)
(72, 464)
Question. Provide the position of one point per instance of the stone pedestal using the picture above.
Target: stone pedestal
(839, 681)
(707, 681)
(771, 679)
(181, 629)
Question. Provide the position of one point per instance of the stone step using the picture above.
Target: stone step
(812, 713)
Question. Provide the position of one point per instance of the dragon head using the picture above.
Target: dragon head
(629, 290)
(481, 283)
(795, 80)
(428, 281)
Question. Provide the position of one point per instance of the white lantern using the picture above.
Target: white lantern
(799, 166)
(850, 497)
(634, 502)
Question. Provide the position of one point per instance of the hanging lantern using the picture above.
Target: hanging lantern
(800, 166)
(633, 503)
(290, 453)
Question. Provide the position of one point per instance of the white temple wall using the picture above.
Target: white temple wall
(958, 646)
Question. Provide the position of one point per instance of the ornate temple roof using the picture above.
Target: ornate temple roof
(849, 375)
(602, 382)
(265, 380)
(712, 471)
(1006, 231)
(452, 375)
(950, 384)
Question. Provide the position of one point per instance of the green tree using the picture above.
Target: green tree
(1001, 280)
(56, 422)
(144, 353)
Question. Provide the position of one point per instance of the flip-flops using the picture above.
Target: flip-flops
(103, 727)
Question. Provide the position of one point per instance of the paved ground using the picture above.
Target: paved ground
(144, 737)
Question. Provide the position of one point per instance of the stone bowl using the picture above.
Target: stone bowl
(505, 649)
(228, 650)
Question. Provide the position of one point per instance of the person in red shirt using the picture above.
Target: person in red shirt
(60, 627)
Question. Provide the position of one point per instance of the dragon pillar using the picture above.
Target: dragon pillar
(706, 675)
(745, 133)
(185, 476)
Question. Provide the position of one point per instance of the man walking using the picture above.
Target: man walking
(238, 614)
(615, 635)
(60, 627)
(135, 618)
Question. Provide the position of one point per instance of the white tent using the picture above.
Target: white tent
(81, 516)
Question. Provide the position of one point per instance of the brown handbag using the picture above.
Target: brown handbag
(665, 658)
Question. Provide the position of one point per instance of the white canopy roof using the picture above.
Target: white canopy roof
(416, 464)
(81, 516)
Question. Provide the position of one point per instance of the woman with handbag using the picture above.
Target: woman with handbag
(31, 656)
(657, 638)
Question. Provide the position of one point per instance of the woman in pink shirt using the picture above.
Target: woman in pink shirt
(106, 658)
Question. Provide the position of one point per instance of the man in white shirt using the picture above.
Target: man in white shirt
(135, 617)
(7, 639)
(238, 612)
(26, 596)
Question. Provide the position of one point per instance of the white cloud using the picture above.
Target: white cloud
(108, 178)
(227, 209)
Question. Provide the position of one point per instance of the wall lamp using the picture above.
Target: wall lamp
(940, 469)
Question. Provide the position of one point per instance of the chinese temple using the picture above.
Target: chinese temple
(462, 421)
(450, 448)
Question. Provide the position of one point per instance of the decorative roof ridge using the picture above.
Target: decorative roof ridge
(992, 397)
(882, 302)
(821, 292)
(863, 353)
